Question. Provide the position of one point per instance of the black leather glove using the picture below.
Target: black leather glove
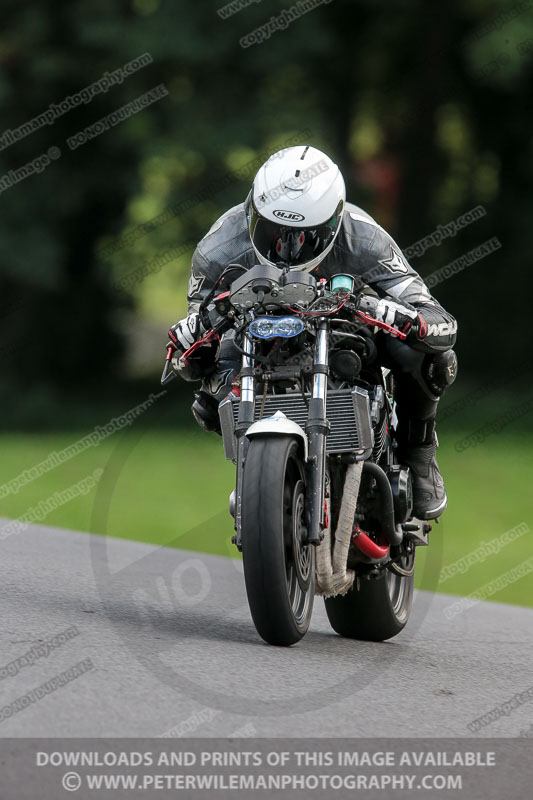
(185, 332)
(199, 364)
(386, 309)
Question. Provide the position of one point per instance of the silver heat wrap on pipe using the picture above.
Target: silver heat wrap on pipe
(332, 577)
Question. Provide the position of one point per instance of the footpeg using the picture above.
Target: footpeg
(417, 532)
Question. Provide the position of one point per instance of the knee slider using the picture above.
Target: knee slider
(440, 371)
(205, 412)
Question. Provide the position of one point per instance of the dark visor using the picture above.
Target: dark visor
(291, 245)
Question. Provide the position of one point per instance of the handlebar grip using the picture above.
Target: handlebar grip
(367, 303)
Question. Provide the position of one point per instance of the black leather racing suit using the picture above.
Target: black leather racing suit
(365, 250)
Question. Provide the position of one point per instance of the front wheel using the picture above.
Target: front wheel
(279, 570)
(377, 609)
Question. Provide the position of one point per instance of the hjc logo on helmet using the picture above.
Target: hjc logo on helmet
(289, 215)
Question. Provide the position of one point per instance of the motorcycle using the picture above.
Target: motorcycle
(322, 505)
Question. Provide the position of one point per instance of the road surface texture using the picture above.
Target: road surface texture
(172, 650)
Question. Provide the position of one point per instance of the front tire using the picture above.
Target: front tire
(279, 571)
(376, 609)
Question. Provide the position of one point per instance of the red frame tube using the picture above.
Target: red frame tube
(367, 545)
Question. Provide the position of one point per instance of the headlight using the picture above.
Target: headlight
(271, 327)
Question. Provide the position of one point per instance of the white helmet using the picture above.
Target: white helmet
(295, 208)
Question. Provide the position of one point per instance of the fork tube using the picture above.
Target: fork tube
(247, 380)
(317, 429)
(321, 359)
(245, 419)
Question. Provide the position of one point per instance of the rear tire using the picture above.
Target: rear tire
(377, 610)
(279, 572)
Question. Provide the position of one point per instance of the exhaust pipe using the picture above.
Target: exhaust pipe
(388, 526)
(332, 576)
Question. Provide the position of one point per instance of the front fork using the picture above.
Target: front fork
(317, 428)
(246, 418)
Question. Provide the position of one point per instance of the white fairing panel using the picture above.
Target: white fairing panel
(276, 425)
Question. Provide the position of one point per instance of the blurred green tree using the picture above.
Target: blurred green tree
(427, 109)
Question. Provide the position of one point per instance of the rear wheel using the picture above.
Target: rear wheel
(279, 570)
(378, 608)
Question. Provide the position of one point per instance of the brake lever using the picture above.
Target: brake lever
(401, 335)
(166, 377)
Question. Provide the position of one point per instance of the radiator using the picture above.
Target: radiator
(347, 411)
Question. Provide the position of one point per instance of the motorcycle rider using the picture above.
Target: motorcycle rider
(296, 214)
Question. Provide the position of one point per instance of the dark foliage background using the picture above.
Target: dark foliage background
(426, 107)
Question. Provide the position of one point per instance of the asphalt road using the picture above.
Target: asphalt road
(172, 649)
